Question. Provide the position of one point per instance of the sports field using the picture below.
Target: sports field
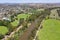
(50, 30)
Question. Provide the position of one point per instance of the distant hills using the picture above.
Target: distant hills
(31, 4)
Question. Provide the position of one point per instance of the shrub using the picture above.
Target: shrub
(1, 36)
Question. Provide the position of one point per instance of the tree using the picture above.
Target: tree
(1, 23)
(1, 36)
(21, 20)
(6, 22)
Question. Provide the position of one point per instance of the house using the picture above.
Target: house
(6, 18)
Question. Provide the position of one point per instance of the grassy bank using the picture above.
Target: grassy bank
(50, 30)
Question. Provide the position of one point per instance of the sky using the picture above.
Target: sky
(29, 1)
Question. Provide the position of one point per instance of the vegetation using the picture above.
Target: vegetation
(6, 26)
(3, 30)
(15, 23)
(24, 19)
(23, 16)
(19, 17)
(19, 33)
(50, 30)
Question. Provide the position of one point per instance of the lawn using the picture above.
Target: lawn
(50, 30)
(16, 22)
(3, 30)
(23, 16)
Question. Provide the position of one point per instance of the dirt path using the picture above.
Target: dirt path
(12, 33)
(38, 30)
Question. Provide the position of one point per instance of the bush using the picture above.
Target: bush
(1, 36)
(1, 23)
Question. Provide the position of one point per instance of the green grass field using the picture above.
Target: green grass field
(50, 30)
(15, 23)
(23, 16)
(3, 30)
